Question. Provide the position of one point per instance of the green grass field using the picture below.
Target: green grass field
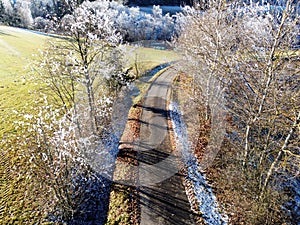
(19, 48)
(148, 58)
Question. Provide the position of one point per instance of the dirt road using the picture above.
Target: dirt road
(162, 197)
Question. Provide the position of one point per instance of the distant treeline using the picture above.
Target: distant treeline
(46, 14)
(160, 2)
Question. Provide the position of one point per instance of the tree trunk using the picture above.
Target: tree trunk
(279, 155)
(90, 94)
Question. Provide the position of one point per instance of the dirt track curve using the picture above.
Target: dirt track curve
(162, 197)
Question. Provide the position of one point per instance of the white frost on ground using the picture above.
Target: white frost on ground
(207, 201)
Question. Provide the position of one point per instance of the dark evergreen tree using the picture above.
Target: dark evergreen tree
(15, 18)
(4, 17)
(159, 2)
(2, 12)
(63, 7)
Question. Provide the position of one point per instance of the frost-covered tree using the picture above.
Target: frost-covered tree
(42, 24)
(6, 11)
(136, 25)
(249, 52)
(83, 72)
(94, 37)
(41, 8)
(2, 12)
(24, 13)
(63, 7)
(7, 5)
(130, 22)
(16, 13)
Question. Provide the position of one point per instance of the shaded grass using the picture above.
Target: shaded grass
(123, 206)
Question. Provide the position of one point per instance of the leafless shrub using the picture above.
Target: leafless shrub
(248, 53)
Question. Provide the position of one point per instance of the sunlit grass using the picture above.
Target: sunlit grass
(18, 48)
(288, 54)
(148, 58)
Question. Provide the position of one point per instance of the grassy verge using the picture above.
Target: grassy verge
(144, 86)
(123, 206)
(181, 94)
